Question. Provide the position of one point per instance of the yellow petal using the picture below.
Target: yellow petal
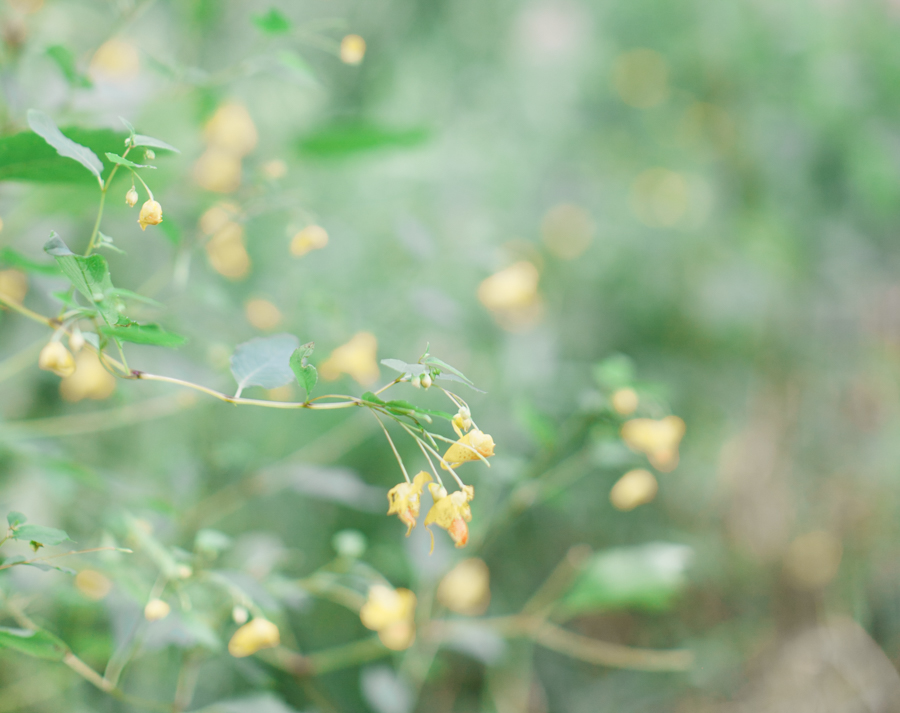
(658, 439)
(356, 358)
(636, 487)
(254, 636)
(475, 445)
(386, 606)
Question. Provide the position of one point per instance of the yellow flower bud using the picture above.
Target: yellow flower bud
(625, 401)
(659, 440)
(353, 49)
(90, 380)
(312, 237)
(151, 214)
(149, 154)
(92, 584)
(13, 285)
(56, 358)
(254, 636)
(131, 198)
(76, 341)
(156, 609)
(390, 612)
(636, 487)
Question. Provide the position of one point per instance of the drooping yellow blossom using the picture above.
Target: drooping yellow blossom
(13, 285)
(156, 610)
(465, 589)
(475, 445)
(353, 49)
(451, 512)
(89, 381)
(217, 217)
(231, 130)
(390, 612)
(636, 487)
(92, 584)
(131, 198)
(312, 237)
(56, 358)
(218, 171)
(658, 439)
(115, 61)
(406, 498)
(255, 635)
(355, 358)
(151, 214)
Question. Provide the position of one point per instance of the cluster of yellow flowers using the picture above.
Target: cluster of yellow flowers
(450, 511)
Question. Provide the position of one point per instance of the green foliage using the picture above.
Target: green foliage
(15, 259)
(306, 374)
(151, 334)
(647, 577)
(115, 158)
(264, 361)
(347, 139)
(43, 126)
(28, 157)
(272, 23)
(39, 644)
(65, 60)
(88, 275)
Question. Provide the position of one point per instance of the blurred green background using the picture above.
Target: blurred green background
(705, 198)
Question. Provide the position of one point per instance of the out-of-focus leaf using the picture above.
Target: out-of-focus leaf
(615, 372)
(65, 60)
(212, 541)
(398, 407)
(384, 691)
(272, 23)
(27, 157)
(46, 128)
(259, 703)
(647, 576)
(49, 566)
(447, 371)
(39, 534)
(115, 158)
(345, 139)
(403, 367)
(151, 334)
(10, 257)
(306, 374)
(38, 643)
(298, 67)
(16, 518)
(89, 275)
(264, 361)
(340, 485)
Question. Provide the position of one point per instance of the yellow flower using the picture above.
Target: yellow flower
(636, 487)
(391, 613)
(353, 49)
(462, 421)
(465, 589)
(156, 610)
(131, 198)
(312, 237)
(657, 439)
(56, 358)
(90, 380)
(406, 499)
(151, 214)
(475, 445)
(253, 636)
(356, 358)
(625, 401)
(13, 285)
(451, 512)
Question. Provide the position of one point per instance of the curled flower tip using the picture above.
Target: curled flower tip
(56, 358)
(151, 214)
(451, 512)
(462, 421)
(255, 635)
(405, 500)
(475, 445)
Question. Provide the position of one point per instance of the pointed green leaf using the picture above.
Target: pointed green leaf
(10, 257)
(40, 534)
(151, 334)
(65, 60)
(115, 158)
(38, 643)
(27, 157)
(43, 126)
(89, 275)
(150, 142)
(272, 23)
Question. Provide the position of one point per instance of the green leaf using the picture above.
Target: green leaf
(115, 158)
(404, 368)
(89, 275)
(38, 643)
(10, 257)
(43, 126)
(27, 157)
(398, 407)
(151, 334)
(272, 23)
(150, 142)
(306, 374)
(264, 361)
(129, 295)
(344, 139)
(40, 534)
(448, 373)
(65, 60)
(647, 576)
(615, 372)
(16, 518)
(298, 66)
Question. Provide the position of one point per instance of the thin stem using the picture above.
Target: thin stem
(423, 446)
(389, 385)
(393, 447)
(25, 312)
(64, 554)
(12, 365)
